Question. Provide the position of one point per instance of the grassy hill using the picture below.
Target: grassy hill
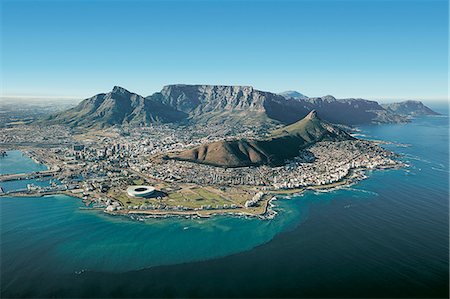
(281, 145)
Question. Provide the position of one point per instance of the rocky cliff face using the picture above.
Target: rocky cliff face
(199, 99)
(235, 104)
(206, 102)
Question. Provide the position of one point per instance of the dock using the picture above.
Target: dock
(27, 176)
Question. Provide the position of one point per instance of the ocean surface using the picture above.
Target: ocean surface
(16, 162)
(10, 164)
(386, 236)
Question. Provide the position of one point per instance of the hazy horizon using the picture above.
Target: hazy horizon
(30, 98)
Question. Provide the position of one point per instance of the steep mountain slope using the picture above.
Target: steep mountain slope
(230, 104)
(409, 108)
(118, 107)
(200, 99)
(281, 145)
(217, 103)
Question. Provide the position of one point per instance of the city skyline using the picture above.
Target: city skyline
(355, 49)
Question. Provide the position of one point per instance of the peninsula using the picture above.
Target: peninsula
(200, 150)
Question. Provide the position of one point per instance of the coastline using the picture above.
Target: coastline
(264, 209)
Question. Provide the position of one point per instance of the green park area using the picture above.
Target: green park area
(187, 196)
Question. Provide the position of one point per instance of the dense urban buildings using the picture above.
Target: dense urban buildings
(99, 167)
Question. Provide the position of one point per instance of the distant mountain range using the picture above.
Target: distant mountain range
(236, 105)
(274, 150)
(409, 108)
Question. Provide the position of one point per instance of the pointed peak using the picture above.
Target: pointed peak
(312, 115)
(118, 89)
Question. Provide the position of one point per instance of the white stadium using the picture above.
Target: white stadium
(140, 191)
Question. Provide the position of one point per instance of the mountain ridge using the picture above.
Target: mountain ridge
(217, 104)
(117, 107)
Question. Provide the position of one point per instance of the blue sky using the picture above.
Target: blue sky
(371, 49)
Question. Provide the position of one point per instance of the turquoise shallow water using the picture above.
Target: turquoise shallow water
(384, 237)
(49, 229)
(52, 228)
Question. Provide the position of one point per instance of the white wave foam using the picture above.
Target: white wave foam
(362, 191)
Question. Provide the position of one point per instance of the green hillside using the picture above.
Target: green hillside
(281, 145)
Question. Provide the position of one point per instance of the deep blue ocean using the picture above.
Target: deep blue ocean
(386, 236)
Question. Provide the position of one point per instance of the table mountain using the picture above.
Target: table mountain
(230, 104)
(217, 104)
(244, 104)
